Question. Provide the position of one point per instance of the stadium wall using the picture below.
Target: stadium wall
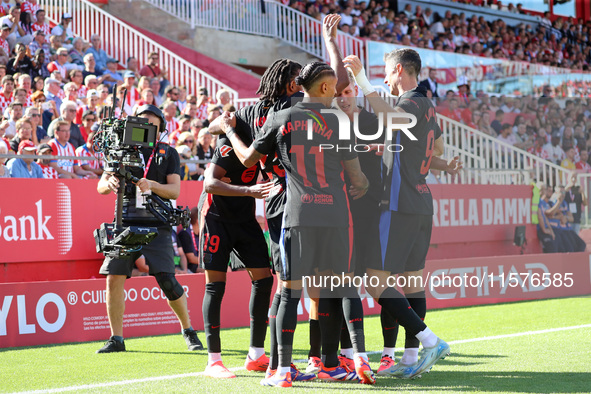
(38, 313)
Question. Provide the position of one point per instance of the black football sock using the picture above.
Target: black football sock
(397, 305)
(353, 313)
(260, 295)
(418, 302)
(389, 329)
(273, 357)
(330, 315)
(315, 339)
(287, 319)
(345, 337)
(212, 305)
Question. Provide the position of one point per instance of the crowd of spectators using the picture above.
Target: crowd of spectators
(552, 129)
(564, 42)
(53, 87)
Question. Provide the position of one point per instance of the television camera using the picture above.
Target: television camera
(120, 141)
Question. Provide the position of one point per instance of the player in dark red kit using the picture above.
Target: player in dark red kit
(228, 225)
(316, 224)
(407, 206)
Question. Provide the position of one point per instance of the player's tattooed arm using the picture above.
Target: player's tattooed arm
(213, 184)
(247, 155)
(359, 182)
(330, 25)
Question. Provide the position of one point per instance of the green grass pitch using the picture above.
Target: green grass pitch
(540, 347)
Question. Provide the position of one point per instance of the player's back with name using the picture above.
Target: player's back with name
(413, 195)
(231, 208)
(315, 187)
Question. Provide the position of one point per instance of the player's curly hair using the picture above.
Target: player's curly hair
(276, 77)
(312, 72)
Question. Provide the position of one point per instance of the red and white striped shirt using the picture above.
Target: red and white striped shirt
(82, 92)
(51, 67)
(172, 125)
(5, 102)
(83, 151)
(27, 6)
(48, 172)
(202, 112)
(4, 45)
(44, 27)
(64, 150)
(130, 99)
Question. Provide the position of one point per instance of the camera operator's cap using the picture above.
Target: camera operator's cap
(26, 145)
(38, 32)
(92, 93)
(66, 15)
(129, 74)
(184, 150)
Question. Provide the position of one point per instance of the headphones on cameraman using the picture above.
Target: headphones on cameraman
(153, 110)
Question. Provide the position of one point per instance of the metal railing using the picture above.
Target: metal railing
(121, 41)
(240, 103)
(269, 18)
(490, 161)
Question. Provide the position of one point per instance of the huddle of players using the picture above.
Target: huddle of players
(308, 214)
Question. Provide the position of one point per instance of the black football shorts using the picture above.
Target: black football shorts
(245, 240)
(306, 251)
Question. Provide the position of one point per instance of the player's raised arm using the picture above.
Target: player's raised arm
(359, 182)
(330, 25)
(378, 104)
(247, 155)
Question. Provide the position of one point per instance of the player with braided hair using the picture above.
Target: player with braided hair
(316, 224)
(277, 87)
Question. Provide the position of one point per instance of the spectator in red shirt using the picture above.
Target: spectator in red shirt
(152, 70)
(583, 165)
(453, 112)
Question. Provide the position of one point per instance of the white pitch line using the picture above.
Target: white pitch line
(194, 374)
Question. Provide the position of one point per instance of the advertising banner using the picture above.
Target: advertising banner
(54, 220)
(37, 313)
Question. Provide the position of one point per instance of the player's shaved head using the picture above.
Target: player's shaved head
(408, 58)
(313, 74)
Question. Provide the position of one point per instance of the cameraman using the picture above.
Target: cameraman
(160, 176)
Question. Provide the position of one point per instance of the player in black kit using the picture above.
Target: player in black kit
(316, 224)
(277, 90)
(407, 206)
(228, 225)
